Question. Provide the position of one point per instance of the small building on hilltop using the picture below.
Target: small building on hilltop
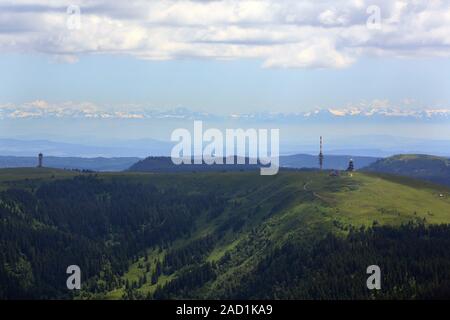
(351, 166)
(334, 173)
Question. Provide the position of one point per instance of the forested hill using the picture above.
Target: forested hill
(297, 161)
(425, 167)
(221, 235)
(165, 165)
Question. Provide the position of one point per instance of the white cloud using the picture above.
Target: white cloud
(283, 33)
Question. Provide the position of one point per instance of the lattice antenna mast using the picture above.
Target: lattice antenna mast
(321, 154)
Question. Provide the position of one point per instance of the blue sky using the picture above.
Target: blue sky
(222, 86)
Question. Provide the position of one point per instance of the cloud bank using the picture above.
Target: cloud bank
(282, 33)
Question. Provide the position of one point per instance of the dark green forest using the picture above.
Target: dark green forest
(81, 221)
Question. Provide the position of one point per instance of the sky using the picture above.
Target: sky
(221, 86)
(64, 65)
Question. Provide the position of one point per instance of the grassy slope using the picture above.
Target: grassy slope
(393, 200)
(17, 174)
(273, 210)
(17, 177)
(297, 205)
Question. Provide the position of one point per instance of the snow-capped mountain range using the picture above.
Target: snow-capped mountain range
(353, 113)
(43, 109)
